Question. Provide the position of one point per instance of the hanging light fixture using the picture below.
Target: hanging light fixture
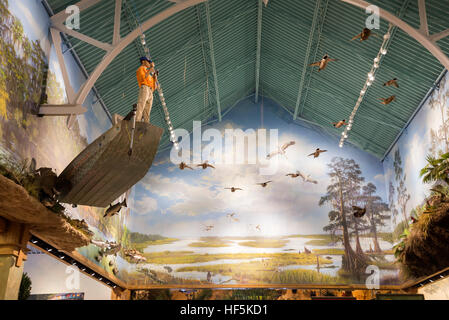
(369, 81)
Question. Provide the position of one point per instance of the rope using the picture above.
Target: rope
(158, 85)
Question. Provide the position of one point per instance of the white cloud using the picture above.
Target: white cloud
(144, 205)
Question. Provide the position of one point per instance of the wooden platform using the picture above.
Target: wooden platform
(18, 206)
(104, 171)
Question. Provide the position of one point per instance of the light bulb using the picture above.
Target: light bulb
(376, 65)
(369, 83)
(384, 51)
(386, 36)
(363, 91)
(376, 59)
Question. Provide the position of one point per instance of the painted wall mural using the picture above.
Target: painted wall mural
(426, 135)
(191, 227)
(412, 201)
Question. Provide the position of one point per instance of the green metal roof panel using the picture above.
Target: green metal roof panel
(180, 47)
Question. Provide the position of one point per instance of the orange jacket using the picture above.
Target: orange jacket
(144, 78)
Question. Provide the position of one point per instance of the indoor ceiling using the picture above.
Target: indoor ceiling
(293, 34)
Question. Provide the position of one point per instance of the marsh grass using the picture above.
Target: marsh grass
(265, 243)
(210, 242)
(140, 246)
(186, 257)
(264, 272)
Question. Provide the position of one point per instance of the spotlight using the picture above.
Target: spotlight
(34, 241)
(49, 250)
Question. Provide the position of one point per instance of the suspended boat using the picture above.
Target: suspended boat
(110, 165)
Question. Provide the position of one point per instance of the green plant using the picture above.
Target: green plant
(437, 169)
(399, 248)
(25, 287)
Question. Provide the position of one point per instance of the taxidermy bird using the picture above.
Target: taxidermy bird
(388, 100)
(264, 184)
(364, 35)
(392, 82)
(317, 153)
(183, 165)
(322, 64)
(115, 209)
(233, 189)
(307, 178)
(340, 124)
(358, 212)
(281, 150)
(293, 175)
(204, 165)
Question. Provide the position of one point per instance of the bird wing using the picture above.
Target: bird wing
(323, 151)
(311, 154)
(238, 189)
(395, 84)
(315, 64)
(269, 181)
(272, 154)
(356, 208)
(356, 37)
(209, 165)
(286, 145)
(301, 175)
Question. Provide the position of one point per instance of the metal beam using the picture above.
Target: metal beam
(124, 42)
(424, 26)
(61, 110)
(117, 16)
(96, 43)
(438, 36)
(212, 57)
(310, 71)
(416, 34)
(307, 57)
(259, 40)
(56, 37)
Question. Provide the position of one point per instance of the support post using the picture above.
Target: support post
(13, 241)
(212, 57)
(259, 40)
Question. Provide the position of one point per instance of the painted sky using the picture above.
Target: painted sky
(178, 203)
